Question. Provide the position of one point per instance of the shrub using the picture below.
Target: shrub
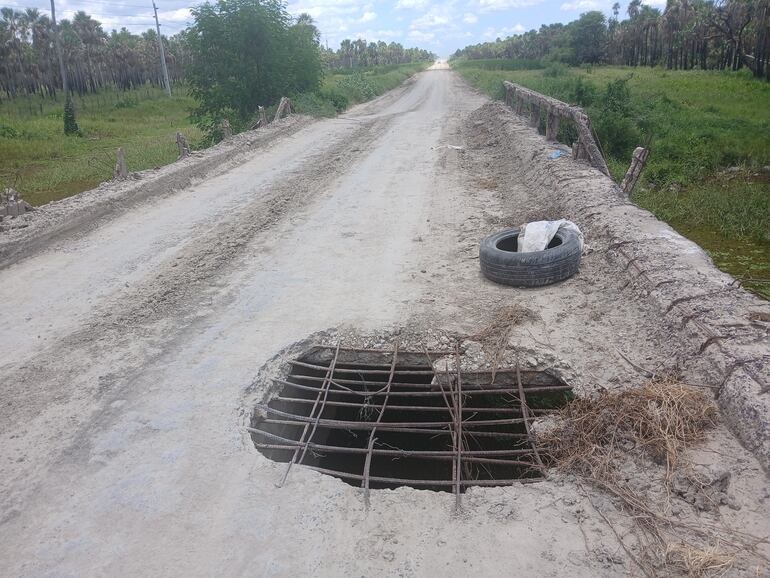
(338, 99)
(357, 87)
(70, 124)
(8, 131)
(583, 93)
(556, 69)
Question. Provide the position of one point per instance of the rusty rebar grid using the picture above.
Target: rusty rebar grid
(344, 396)
(325, 392)
(459, 430)
(370, 446)
(525, 414)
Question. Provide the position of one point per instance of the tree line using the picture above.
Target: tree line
(686, 34)
(355, 53)
(95, 59)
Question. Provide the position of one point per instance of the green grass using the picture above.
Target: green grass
(701, 123)
(44, 165)
(346, 87)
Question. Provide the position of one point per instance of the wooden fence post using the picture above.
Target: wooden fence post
(120, 172)
(638, 160)
(184, 149)
(284, 108)
(227, 130)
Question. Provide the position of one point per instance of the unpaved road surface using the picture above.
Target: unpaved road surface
(130, 348)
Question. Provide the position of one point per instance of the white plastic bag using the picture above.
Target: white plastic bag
(535, 236)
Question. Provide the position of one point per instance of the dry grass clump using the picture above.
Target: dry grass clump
(661, 419)
(494, 337)
(693, 561)
(593, 438)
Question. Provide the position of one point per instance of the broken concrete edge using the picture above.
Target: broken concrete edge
(474, 359)
(58, 219)
(729, 351)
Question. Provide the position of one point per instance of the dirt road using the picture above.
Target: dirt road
(130, 349)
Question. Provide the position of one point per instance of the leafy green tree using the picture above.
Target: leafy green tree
(247, 53)
(589, 37)
(304, 57)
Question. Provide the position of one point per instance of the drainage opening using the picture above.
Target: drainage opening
(384, 419)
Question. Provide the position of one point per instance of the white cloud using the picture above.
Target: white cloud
(582, 5)
(375, 35)
(505, 32)
(181, 15)
(319, 8)
(419, 36)
(368, 17)
(492, 5)
(436, 16)
(470, 18)
(661, 3)
(413, 4)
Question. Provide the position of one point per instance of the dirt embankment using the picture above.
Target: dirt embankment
(724, 330)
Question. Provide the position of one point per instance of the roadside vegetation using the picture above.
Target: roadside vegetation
(45, 165)
(707, 174)
(689, 82)
(238, 55)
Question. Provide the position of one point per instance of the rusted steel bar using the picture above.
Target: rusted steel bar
(363, 382)
(363, 426)
(403, 482)
(363, 371)
(459, 429)
(444, 454)
(373, 425)
(468, 391)
(525, 413)
(420, 408)
(329, 374)
(401, 455)
(370, 447)
(439, 352)
(475, 379)
(533, 379)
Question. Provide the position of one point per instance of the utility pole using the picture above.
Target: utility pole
(166, 83)
(57, 44)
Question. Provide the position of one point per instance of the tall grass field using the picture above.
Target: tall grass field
(708, 174)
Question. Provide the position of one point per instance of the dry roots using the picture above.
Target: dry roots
(591, 437)
(661, 418)
(494, 337)
(699, 562)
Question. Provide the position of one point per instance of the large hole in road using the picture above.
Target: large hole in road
(374, 419)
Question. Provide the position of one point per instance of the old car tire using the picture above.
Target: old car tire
(501, 263)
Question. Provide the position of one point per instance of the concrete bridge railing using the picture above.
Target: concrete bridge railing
(526, 102)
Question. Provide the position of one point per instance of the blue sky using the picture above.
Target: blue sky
(438, 25)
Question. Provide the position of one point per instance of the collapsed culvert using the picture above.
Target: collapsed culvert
(383, 419)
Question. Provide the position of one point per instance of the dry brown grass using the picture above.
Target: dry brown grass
(661, 419)
(592, 438)
(494, 337)
(700, 562)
